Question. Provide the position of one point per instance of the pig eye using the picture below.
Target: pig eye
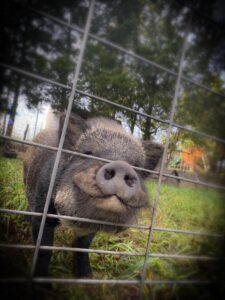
(88, 152)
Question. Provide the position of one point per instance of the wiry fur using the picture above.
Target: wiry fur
(76, 192)
(109, 140)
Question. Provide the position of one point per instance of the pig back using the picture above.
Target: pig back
(38, 163)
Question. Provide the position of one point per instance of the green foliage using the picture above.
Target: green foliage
(189, 208)
(12, 194)
(152, 29)
(120, 78)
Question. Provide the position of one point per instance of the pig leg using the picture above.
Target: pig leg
(81, 264)
(44, 256)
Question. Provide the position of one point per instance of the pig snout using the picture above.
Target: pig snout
(118, 178)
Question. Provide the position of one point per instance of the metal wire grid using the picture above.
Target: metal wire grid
(169, 130)
(60, 149)
(42, 78)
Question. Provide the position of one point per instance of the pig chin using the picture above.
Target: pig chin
(109, 203)
(115, 204)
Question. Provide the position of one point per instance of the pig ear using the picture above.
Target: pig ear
(153, 152)
(76, 127)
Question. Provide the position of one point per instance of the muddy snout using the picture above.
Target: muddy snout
(118, 178)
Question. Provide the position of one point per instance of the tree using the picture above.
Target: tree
(151, 29)
(125, 80)
(30, 42)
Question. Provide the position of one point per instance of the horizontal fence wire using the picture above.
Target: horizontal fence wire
(124, 50)
(197, 182)
(136, 226)
(110, 252)
(94, 97)
(104, 281)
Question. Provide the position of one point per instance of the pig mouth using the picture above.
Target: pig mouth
(129, 205)
(115, 203)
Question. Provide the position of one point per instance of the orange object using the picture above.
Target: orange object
(191, 157)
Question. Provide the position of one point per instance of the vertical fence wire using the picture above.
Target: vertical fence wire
(62, 137)
(157, 194)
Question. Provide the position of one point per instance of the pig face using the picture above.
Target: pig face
(109, 191)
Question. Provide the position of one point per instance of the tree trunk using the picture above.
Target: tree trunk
(4, 123)
(133, 122)
(220, 166)
(25, 132)
(13, 108)
(148, 125)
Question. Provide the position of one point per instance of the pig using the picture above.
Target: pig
(87, 188)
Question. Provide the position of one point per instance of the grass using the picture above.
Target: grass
(194, 209)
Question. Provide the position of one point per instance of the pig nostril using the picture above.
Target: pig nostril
(109, 174)
(130, 180)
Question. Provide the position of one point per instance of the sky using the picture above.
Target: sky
(26, 116)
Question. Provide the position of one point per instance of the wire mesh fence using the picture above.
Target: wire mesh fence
(161, 173)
